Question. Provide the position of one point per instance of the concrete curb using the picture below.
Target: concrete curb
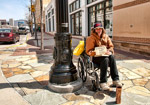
(20, 43)
(75, 37)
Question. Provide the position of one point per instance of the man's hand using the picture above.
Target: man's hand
(108, 52)
(92, 53)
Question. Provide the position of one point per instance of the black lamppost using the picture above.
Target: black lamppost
(63, 70)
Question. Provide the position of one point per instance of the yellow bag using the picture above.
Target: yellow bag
(79, 49)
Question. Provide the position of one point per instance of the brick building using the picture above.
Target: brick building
(11, 21)
(82, 15)
(126, 21)
(131, 25)
(37, 11)
(3, 22)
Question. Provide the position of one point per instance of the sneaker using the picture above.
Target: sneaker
(117, 84)
(104, 86)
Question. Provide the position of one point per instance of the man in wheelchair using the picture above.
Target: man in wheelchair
(99, 38)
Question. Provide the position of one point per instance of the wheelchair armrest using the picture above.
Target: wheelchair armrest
(91, 58)
(91, 64)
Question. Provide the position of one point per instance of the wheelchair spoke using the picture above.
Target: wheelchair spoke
(82, 69)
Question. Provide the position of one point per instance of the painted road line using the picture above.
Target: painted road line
(16, 45)
(20, 43)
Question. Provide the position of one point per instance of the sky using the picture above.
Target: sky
(15, 9)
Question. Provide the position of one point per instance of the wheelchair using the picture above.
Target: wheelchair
(86, 67)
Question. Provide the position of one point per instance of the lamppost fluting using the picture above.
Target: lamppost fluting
(63, 70)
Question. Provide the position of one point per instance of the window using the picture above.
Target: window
(76, 23)
(101, 13)
(75, 5)
(90, 1)
(46, 26)
(49, 14)
(50, 20)
(70, 8)
(53, 24)
(80, 3)
(72, 24)
(80, 27)
(49, 25)
(100, 16)
(52, 11)
(5, 30)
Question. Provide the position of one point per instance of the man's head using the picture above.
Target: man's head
(98, 25)
(98, 28)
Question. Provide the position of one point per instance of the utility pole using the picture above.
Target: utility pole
(30, 18)
(42, 35)
(36, 37)
(0, 24)
(31, 21)
(33, 12)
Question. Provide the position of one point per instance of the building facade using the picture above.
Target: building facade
(84, 13)
(82, 16)
(19, 23)
(3, 22)
(11, 22)
(126, 21)
(131, 25)
(37, 11)
(50, 21)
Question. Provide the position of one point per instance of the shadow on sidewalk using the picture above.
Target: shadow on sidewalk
(46, 53)
(6, 43)
(24, 88)
(30, 85)
(124, 55)
(48, 47)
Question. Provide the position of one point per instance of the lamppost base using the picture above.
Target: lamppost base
(66, 87)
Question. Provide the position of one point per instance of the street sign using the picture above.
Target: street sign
(32, 8)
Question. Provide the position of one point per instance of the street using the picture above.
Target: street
(22, 40)
(26, 68)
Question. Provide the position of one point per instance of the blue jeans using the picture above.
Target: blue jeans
(105, 62)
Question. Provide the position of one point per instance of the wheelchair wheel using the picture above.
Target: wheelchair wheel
(82, 69)
(94, 87)
(95, 83)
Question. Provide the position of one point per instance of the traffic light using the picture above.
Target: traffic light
(30, 22)
(32, 8)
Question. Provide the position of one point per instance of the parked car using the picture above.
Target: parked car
(22, 31)
(28, 30)
(9, 35)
